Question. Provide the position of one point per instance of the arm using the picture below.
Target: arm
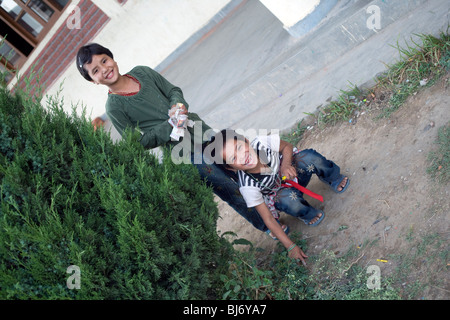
(286, 168)
(173, 94)
(98, 122)
(120, 121)
(155, 137)
(272, 224)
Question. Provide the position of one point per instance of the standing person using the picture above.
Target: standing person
(143, 99)
(263, 165)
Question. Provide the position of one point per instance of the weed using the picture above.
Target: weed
(296, 134)
(440, 159)
(328, 277)
(343, 108)
(245, 280)
(417, 266)
(420, 65)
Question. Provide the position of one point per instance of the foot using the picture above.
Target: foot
(342, 184)
(316, 218)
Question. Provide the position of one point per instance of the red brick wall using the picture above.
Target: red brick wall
(61, 50)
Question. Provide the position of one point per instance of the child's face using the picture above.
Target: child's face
(103, 70)
(239, 155)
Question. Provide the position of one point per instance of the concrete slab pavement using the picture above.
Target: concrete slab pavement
(248, 72)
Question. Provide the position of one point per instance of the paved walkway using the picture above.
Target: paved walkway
(244, 71)
(248, 72)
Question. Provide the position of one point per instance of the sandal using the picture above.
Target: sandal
(315, 223)
(285, 229)
(335, 185)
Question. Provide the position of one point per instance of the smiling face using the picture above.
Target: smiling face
(239, 155)
(103, 70)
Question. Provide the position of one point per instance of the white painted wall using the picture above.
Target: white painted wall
(289, 12)
(141, 32)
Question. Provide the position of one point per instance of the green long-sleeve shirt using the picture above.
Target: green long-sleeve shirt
(148, 109)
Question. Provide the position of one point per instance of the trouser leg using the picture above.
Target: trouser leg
(310, 161)
(225, 186)
(291, 201)
(307, 162)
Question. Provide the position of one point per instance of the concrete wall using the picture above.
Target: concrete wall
(290, 12)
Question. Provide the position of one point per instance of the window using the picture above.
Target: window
(23, 25)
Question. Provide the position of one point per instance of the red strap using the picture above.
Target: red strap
(290, 184)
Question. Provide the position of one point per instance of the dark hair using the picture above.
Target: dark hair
(85, 54)
(217, 143)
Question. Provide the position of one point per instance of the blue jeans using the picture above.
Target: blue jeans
(307, 162)
(225, 186)
(288, 200)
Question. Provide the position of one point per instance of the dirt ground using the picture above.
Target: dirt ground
(391, 198)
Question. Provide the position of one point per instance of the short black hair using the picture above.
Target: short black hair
(85, 54)
(217, 144)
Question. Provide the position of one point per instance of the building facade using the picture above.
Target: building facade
(41, 37)
(36, 32)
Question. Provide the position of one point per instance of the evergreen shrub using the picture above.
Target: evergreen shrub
(135, 227)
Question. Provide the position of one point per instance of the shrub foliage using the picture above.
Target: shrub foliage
(135, 227)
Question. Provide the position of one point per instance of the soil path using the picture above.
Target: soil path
(391, 197)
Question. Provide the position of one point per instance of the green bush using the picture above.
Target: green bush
(136, 228)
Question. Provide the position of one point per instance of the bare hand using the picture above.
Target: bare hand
(98, 122)
(288, 171)
(298, 254)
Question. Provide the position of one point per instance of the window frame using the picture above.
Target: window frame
(32, 40)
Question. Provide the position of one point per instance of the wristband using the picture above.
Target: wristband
(292, 247)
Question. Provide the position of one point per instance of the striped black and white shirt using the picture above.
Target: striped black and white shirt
(254, 187)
